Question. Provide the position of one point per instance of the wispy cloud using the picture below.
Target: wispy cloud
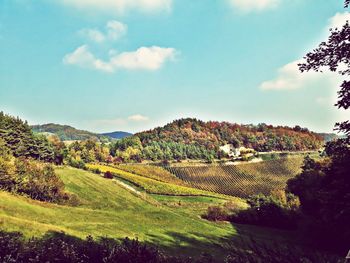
(114, 31)
(119, 6)
(290, 78)
(338, 20)
(253, 5)
(144, 58)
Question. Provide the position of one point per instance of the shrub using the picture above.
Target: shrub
(95, 170)
(32, 178)
(108, 175)
(76, 163)
(216, 213)
(165, 163)
(39, 181)
(277, 210)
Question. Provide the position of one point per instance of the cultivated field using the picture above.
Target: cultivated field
(153, 186)
(240, 180)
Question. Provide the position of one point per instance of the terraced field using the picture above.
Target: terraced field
(240, 180)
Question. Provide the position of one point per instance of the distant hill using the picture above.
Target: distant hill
(67, 133)
(117, 134)
(329, 136)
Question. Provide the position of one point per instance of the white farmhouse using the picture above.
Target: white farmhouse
(230, 150)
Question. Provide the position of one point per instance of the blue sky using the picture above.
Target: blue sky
(106, 65)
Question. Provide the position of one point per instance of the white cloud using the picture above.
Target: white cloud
(114, 31)
(150, 58)
(84, 58)
(120, 6)
(338, 20)
(144, 58)
(289, 78)
(138, 117)
(254, 5)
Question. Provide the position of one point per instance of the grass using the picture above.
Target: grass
(107, 209)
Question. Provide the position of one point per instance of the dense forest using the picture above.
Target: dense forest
(261, 137)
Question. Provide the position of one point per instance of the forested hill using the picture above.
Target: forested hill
(117, 134)
(213, 134)
(68, 133)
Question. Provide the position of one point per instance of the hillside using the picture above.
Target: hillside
(212, 134)
(197, 140)
(108, 209)
(68, 133)
(329, 136)
(117, 134)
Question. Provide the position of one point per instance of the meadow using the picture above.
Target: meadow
(108, 209)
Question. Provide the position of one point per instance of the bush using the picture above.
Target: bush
(221, 213)
(165, 163)
(39, 181)
(279, 210)
(31, 178)
(76, 163)
(95, 170)
(216, 213)
(108, 175)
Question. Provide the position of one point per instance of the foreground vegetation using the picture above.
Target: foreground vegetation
(64, 248)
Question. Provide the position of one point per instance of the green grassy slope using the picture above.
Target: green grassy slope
(108, 209)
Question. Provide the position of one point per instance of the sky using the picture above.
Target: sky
(131, 65)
